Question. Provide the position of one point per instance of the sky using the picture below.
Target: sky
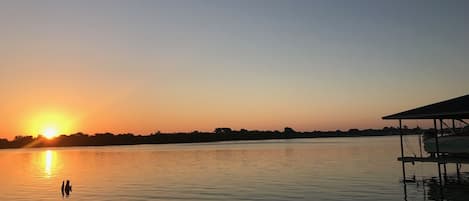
(169, 66)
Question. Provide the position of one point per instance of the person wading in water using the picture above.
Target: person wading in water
(67, 188)
(63, 188)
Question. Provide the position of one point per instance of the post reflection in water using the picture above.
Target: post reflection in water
(49, 162)
(453, 189)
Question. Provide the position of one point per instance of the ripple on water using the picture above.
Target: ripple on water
(300, 169)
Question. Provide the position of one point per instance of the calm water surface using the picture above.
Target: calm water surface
(362, 168)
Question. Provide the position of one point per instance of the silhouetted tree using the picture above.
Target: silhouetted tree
(3, 142)
(81, 139)
(288, 130)
(223, 130)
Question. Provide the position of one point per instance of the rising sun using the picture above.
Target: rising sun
(50, 132)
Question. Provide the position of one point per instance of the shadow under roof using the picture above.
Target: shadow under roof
(456, 108)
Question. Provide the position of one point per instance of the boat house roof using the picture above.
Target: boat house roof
(456, 108)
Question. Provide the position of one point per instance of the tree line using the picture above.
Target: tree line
(219, 134)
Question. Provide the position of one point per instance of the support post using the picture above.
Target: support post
(402, 150)
(445, 176)
(437, 151)
(420, 145)
(437, 145)
(454, 126)
(444, 163)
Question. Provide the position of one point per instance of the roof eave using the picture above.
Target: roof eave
(459, 115)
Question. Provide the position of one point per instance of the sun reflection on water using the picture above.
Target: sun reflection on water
(49, 162)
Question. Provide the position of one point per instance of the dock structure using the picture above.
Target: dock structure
(442, 159)
(456, 109)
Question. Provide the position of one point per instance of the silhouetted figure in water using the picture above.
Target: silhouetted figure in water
(68, 188)
(63, 188)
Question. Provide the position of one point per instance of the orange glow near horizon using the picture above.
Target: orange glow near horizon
(49, 124)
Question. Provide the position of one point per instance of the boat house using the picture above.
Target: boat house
(442, 150)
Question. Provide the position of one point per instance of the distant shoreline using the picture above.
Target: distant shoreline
(219, 135)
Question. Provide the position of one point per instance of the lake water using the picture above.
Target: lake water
(363, 168)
